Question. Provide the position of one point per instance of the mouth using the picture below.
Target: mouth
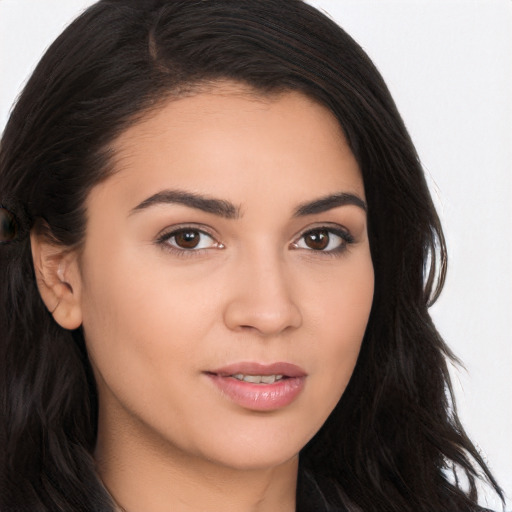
(259, 387)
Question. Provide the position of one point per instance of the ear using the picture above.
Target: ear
(58, 279)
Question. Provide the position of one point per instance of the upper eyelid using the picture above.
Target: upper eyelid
(170, 230)
(207, 230)
(328, 226)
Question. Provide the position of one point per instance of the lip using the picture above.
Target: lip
(259, 397)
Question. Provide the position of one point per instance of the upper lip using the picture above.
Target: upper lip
(253, 368)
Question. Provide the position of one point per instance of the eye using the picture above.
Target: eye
(188, 239)
(324, 240)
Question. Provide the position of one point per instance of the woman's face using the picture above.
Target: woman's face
(226, 277)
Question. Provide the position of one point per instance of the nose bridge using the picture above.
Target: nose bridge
(262, 295)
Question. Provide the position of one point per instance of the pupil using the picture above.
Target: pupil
(317, 240)
(187, 239)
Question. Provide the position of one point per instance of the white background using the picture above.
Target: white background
(448, 64)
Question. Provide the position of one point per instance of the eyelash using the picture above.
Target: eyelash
(345, 240)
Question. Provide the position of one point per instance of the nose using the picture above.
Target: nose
(261, 298)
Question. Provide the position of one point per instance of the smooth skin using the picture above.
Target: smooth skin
(167, 292)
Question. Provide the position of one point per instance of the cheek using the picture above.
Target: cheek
(341, 317)
(141, 335)
(136, 316)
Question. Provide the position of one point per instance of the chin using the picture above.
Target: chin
(256, 460)
(260, 449)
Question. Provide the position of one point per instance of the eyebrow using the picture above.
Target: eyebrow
(218, 207)
(328, 203)
(228, 210)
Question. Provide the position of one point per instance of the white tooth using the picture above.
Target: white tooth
(255, 379)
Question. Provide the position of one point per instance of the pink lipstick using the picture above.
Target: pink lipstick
(259, 387)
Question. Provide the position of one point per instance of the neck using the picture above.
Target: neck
(147, 476)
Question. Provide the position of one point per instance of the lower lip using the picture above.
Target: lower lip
(259, 397)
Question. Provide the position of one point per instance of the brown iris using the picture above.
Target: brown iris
(317, 240)
(187, 239)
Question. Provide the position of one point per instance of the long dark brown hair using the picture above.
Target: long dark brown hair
(394, 442)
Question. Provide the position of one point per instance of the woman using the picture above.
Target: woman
(215, 243)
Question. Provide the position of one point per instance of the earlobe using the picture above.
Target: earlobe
(58, 280)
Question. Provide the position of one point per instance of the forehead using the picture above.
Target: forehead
(231, 140)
